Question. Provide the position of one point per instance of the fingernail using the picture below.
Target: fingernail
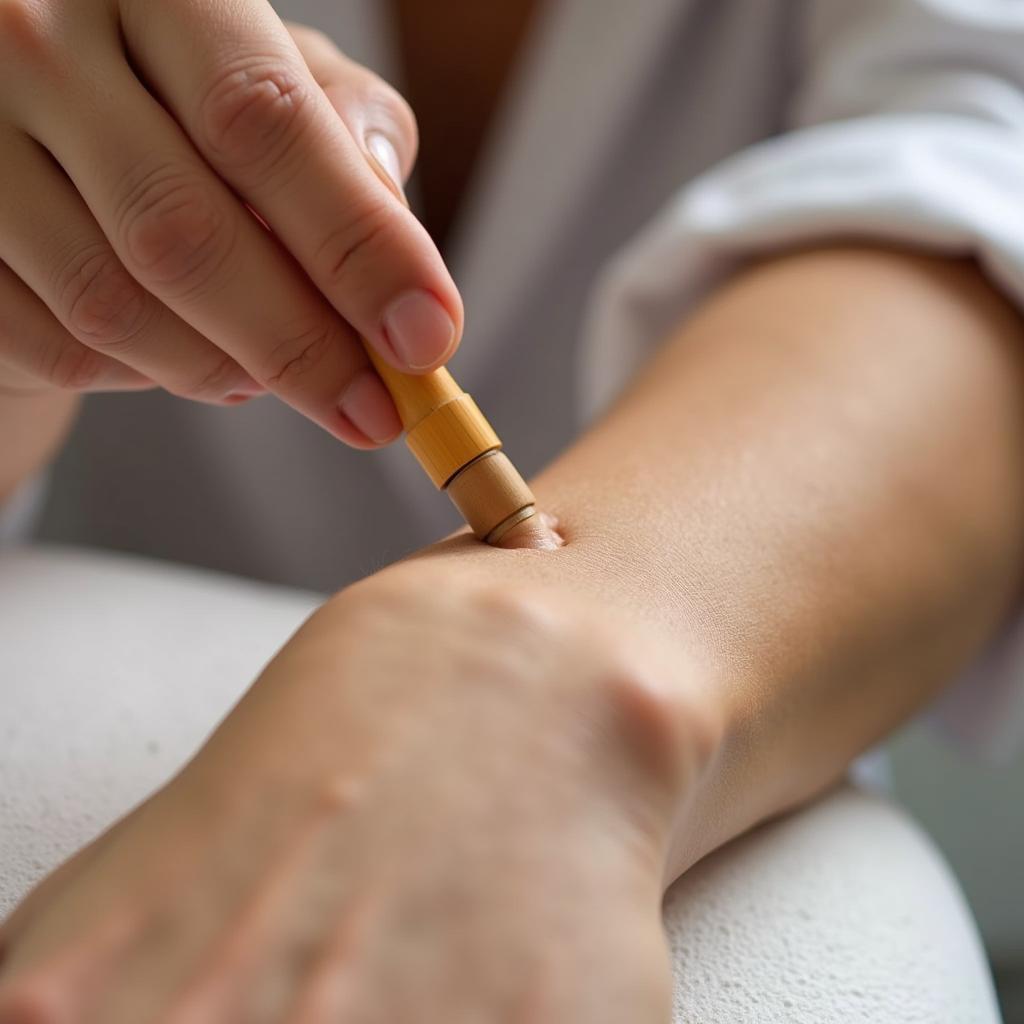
(419, 328)
(382, 150)
(369, 407)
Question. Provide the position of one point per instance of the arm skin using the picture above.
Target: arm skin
(817, 486)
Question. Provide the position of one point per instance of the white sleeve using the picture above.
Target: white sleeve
(907, 126)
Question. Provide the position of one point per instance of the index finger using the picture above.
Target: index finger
(233, 77)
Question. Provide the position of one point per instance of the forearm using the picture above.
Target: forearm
(816, 488)
(32, 426)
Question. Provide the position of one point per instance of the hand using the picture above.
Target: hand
(441, 802)
(139, 139)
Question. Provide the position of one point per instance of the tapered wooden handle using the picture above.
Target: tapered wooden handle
(416, 396)
(458, 449)
(453, 441)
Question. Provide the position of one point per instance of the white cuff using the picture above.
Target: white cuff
(947, 183)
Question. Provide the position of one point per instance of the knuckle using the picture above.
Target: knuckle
(299, 356)
(344, 260)
(253, 112)
(102, 304)
(175, 231)
(71, 367)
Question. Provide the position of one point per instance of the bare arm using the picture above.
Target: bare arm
(817, 486)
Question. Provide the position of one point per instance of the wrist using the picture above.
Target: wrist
(657, 691)
(441, 688)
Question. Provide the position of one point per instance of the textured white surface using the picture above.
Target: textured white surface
(843, 912)
(113, 670)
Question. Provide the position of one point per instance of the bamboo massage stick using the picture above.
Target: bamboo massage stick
(459, 450)
(452, 440)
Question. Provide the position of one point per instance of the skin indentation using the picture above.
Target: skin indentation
(540, 532)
